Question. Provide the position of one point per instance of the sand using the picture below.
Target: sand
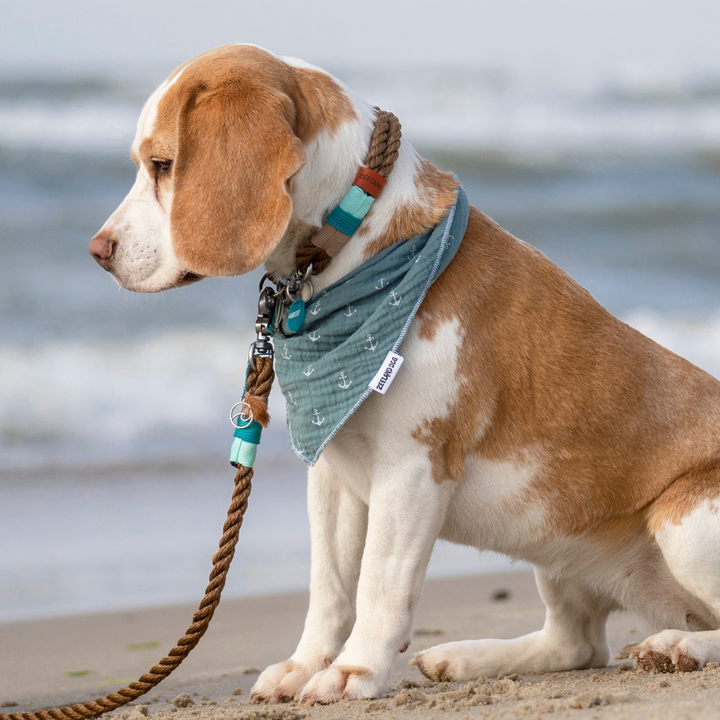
(66, 660)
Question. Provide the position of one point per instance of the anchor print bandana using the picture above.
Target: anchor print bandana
(349, 328)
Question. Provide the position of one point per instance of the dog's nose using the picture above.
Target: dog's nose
(101, 247)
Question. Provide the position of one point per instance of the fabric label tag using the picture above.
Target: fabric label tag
(387, 372)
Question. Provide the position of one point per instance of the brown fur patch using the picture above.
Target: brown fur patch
(259, 409)
(435, 193)
(610, 417)
(347, 671)
(685, 494)
(441, 672)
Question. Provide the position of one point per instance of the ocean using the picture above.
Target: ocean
(114, 429)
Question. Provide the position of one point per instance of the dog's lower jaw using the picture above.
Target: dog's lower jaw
(281, 261)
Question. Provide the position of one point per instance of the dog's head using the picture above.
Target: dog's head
(217, 146)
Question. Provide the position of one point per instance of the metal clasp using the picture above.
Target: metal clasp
(262, 346)
(296, 283)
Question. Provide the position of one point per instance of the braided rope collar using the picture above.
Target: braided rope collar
(344, 220)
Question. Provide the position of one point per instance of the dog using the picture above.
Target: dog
(526, 419)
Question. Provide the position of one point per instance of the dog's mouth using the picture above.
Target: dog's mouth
(188, 279)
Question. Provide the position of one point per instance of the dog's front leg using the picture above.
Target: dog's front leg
(406, 511)
(338, 523)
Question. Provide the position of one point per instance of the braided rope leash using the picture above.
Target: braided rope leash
(314, 255)
(259, 383)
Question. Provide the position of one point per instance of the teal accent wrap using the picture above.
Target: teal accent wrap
(343, 221)
(243, 452)
(251, 433)
(357, 202)
(350, 327)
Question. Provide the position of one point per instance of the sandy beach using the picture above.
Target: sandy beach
(65, 660)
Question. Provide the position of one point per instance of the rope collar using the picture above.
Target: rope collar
(344, 220)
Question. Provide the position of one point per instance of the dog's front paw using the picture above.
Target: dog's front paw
(281, 682)
(342, 682)
(444, 663)
(671, 651)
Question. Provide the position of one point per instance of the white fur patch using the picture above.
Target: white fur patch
(148, 115)
(487, 510)
(692, 550)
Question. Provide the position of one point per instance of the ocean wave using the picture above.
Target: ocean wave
(450, 109)
(695, 338)
(76, 403)
(85, 126)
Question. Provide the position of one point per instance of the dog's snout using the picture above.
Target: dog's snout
(102, 247)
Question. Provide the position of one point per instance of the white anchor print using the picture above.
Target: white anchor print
(381, 285)
(315, 309)
(370, 345)
(345, 384)
(285, 353)
(395, 299)
(308, 371)
(318, 420)
(314, 337)
(413, 251)
(350, 311)
(290, 399)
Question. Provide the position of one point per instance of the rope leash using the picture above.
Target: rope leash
(259, 381)
(311, 258)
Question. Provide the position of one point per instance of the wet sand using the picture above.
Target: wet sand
(59, 661)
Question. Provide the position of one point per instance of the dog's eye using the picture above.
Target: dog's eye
(161, 167)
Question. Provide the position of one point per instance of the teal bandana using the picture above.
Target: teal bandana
(350, 327)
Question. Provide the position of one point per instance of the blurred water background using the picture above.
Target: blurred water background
(113, 406)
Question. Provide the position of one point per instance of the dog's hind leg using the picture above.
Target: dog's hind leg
(338, 524)
(686, 523)
(573, 637)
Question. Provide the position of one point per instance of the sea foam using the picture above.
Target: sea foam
(169, 396)
(443, 108)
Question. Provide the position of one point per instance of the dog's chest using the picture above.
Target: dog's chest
(489, 507)
(495, 506)
(384, 433)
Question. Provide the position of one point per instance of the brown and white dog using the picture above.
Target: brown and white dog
(535, 423)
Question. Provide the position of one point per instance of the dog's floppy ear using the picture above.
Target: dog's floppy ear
(236, 152)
